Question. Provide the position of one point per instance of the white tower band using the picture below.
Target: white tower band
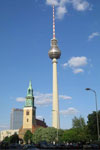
(54, 53)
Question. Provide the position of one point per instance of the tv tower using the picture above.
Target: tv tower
(54, 53)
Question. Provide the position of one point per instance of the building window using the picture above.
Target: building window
(27, 113)
(27, 120)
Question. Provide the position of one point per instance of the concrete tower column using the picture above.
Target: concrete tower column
(55, 119)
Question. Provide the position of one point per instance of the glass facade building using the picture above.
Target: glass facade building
(16, 119)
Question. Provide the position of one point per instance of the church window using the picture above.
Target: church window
(27, 120)
(27, 113)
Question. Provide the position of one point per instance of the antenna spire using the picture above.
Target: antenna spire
(53, 23)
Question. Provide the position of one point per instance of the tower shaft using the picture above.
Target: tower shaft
(55, 115)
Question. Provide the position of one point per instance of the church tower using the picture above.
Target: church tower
(29, 115)
(29, 111)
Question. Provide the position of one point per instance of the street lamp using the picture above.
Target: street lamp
(57, 125)
(89, 89)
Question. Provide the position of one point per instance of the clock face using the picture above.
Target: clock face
(28, 103)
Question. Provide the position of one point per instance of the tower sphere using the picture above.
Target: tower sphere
(54, 52)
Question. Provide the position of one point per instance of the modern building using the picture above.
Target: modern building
(54, 53)
(29, 114)
(16, 118)
(8, 133)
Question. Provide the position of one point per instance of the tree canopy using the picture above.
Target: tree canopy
(78, 122)
(92, 124)
(28, 137)
(14, 138)
(49, 135)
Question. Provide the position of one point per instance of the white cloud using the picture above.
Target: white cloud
(80, 5)
(94, 34)
(69, 111)
(52, 2)
(64, 97)
(39, 117)
(43, 99)
(46, 99)
(78, 70)
(62, 6)
(20, 99)
(75, 63)
(65, 65)
(61, 10)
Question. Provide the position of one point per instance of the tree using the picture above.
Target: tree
(70, 135)
(37, 135)
(78, 122)
(49, 135)
(92, 125)
(78, 131)
(5, 143)
(14, 138)
(75, 135)
(9, 140)
(28, 137)
(6, 139)
(60, 135)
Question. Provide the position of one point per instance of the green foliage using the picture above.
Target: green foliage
(69, 135)
(60, 135)
(37, 135)
(92, 125)
(14, 138)
(6, 139)
(28, 137)
(49, 135)
(78, 131)
(78, 122)
(75, 135)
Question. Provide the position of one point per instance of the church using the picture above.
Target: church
(29, 114)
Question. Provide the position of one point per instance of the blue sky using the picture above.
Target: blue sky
(25, 34)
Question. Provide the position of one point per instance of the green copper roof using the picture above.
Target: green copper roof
(30, 90)
(29, 98)
(30, 85)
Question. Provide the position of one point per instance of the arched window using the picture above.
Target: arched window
(27, 112)
(29, 91)
(27, 120)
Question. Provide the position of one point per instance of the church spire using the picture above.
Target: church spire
(30, 84)
(30, 90)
